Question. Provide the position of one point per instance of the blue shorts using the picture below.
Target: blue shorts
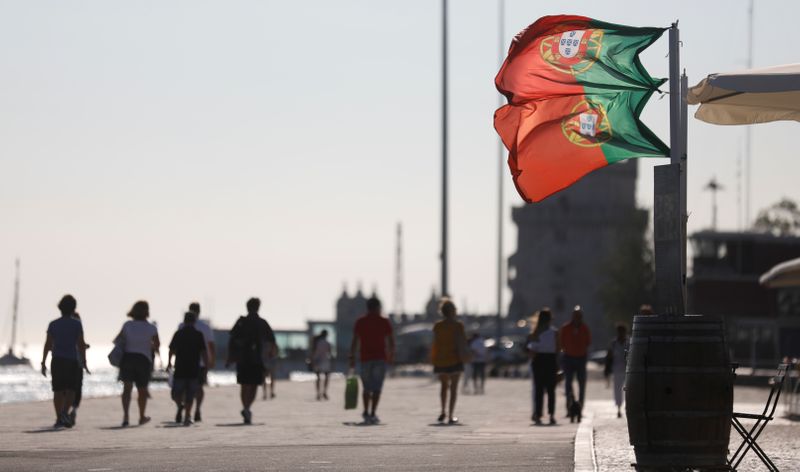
(184, 390)
(372, 375)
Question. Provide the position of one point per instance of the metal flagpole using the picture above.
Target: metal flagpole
(500, 175)
(669, 209)
(444, 288)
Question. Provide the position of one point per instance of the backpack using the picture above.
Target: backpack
(245, 343)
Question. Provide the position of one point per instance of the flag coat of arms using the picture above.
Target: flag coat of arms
(575, 89)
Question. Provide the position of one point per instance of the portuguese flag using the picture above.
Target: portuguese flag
(575, 90)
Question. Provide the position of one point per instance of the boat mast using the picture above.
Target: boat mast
(14, 309)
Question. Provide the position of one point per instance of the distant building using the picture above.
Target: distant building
(763, 325)
(563, 243)
(348, 310)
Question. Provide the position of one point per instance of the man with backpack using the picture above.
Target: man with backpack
(246, 347)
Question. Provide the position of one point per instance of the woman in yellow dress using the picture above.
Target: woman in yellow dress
(448, 354)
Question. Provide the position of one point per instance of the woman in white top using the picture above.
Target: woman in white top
(615, 364)
(543, 347)
(139, 339)
(321, 362)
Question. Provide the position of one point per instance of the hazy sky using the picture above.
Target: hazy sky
(173, 151)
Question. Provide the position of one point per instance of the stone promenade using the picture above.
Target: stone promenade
(295, 432)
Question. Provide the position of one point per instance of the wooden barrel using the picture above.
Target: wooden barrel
(679, 392)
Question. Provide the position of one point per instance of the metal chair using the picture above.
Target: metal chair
(750, 436)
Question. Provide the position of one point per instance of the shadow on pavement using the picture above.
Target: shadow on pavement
(353, 423)
(44, 430)
(232, 425)
(445, 425)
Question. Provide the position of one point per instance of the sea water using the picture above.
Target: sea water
(24, 384)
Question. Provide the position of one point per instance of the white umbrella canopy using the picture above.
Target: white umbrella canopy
(785, 274)
(749, 96)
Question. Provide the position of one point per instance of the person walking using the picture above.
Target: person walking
(139, 339)
(615, 365)
(211, 351)
(321, 363)
(246, 347)
(575, 340)
(543, 348)
(76, 403)
(479, 358)
(189, 347)
(449, 352)
(372, 335)
(65, 340)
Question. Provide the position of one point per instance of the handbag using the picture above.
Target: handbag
(115, 356)
(351, 392)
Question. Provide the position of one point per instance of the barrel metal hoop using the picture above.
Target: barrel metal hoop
(678, 339)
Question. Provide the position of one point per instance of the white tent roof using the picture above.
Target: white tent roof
(785, 274)
(749, 96)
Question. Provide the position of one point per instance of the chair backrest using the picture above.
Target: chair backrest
(775, 392)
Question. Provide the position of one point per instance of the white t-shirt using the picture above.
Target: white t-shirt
(546, 343)
(205, 330)
(478, 349)
(138, 336)
(618, 352)
(322, 352)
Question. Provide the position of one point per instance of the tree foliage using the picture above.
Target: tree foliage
(781, 219)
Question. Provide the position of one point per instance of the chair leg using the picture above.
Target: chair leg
(749, 439)
(743, 433)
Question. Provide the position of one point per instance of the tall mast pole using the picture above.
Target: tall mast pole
(747, 129)
(669, 209)
(444, 287)
(15, 309)
(500, 174)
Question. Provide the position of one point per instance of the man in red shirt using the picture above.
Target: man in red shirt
(575, 340)
(373, 333)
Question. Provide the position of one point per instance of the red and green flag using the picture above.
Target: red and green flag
(575, 89)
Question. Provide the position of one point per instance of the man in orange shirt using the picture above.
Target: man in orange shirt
(575, 340)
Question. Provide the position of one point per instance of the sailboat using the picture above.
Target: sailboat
(10, 359)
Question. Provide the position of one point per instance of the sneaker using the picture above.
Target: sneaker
(187, 421)
(365, 416)
(65, 420)
(58, 424)
(374, 420)
(125, 423)
(197, 417)
(453, 420)
(248, 416)
(179, 415)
